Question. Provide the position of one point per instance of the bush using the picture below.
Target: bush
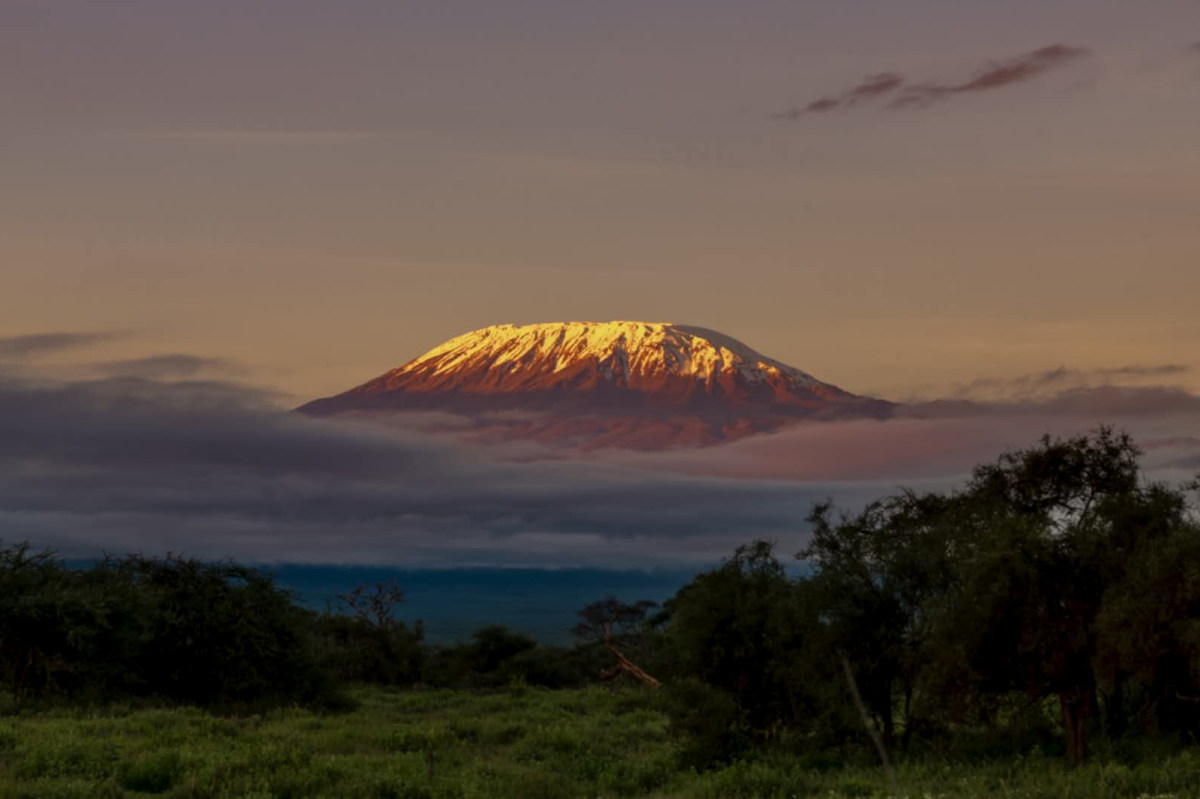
(153, 774)
(710, 722)
(497, 656)
(355, 650)
(745, 630)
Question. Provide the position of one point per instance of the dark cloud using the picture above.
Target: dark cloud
(876, 85)
(23, 347)
(1158, 370)
(1099, 403)
(214, 470)
(872, 86)
(995, 75)
(1046, 384)
(822, 106)
(164, 367)
(1123, 402)
(1178, 452)
(905, 95)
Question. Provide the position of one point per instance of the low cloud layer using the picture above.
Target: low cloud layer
(936, 445)
(214, 470)
(146, 461)
(896, 92)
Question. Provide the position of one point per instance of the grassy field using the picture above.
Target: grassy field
(518, 743)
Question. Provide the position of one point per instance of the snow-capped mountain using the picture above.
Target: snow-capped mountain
(629, 384)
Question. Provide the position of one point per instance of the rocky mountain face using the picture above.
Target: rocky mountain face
(636, 385)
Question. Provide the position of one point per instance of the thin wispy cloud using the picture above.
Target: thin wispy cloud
(1100, 404)
(872, 86)
(42, 344)
(1049, 383)
(896, 92)
(996, 75)
(167, 367)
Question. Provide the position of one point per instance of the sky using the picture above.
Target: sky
(323, 191)
(211, 210)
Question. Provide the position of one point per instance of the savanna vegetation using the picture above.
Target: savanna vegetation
(1034, 633)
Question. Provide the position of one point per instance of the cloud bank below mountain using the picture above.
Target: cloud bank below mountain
(215, 469)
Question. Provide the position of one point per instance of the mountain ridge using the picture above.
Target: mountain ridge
(642, 385)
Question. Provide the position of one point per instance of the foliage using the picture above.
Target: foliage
(355, 650)
(611, 617)
(1055, 587)
(747, 630)
(496, 656)
(592, 742)
(1056, 573)
(209, 634)
(709, 723)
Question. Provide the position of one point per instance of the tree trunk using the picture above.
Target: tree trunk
(906, 737)
(872, 733)
(624, 664)
(1076, 706)
(889, 722)
(1114, 708)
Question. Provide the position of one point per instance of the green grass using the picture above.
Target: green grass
(519, 743)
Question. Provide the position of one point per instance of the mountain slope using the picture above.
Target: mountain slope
(629, 384)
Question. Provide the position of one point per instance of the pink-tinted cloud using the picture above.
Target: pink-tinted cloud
(929, 441)
(939, 442)
(933, 450)
(993, 75)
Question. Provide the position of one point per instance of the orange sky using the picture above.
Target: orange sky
(322, 191)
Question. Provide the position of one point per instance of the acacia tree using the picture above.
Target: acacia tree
(608, 620)
(1148, 627)
(368, 642)
(1028, 582)
(1048, 536)
(374, 603)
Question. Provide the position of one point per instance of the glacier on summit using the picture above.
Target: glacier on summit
(641, 385)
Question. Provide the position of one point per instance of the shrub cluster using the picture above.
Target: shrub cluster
(173, 629)
(223, 635)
